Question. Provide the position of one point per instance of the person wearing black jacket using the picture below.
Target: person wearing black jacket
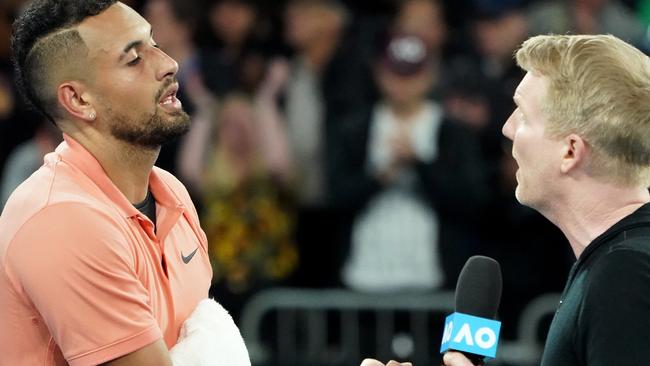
(581, 139)
(410, 180)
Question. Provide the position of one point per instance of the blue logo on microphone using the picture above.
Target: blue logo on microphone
(468, 333)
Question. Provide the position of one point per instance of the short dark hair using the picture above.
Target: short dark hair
(43, 35)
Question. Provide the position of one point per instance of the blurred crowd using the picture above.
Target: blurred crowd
(348, 144)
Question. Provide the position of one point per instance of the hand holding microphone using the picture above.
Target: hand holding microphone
(453, 358)
(470, 333)
(471, 328)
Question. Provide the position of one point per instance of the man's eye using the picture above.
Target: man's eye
(134, 62)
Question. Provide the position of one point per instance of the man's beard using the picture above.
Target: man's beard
(150, 132)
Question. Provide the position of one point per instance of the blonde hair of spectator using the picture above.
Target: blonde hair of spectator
(599, 89)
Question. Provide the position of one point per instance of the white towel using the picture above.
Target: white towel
(209, 337)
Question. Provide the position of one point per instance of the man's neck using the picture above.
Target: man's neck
(127, 166)
(593, 210)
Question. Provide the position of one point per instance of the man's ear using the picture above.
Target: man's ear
(575, 150)
(76, 101)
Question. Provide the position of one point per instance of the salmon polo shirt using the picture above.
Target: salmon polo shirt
(84, 276)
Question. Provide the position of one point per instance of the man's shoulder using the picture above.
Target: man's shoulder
(635, 238)
(56, 192)
(623, 267)
(54, 182)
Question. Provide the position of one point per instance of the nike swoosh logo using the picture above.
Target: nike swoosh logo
(187, 259)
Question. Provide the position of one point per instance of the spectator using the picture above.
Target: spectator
(482, 78)
(232, 58)
(412, 178)
(27, 157)
(242, 173)
(248, 217)
(587, 17)
(426, 19)
(17, 124)
(326, 83)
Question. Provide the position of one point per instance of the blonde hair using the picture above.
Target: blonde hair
(599, 89)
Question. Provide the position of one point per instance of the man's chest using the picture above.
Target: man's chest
(562, 343)
(173, 265)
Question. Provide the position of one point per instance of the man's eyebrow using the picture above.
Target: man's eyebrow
(134, 44)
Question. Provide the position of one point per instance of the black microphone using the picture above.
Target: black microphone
(478, 294)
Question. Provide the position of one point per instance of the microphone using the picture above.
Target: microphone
(471, 329)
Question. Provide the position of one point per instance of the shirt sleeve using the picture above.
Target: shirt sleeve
(614, 320)
(76, 265)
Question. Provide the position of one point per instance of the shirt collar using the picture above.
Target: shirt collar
(640, 217)
(76, 155)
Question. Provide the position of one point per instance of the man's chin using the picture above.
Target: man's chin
(161, 130)
(175, 127)
(521, 198)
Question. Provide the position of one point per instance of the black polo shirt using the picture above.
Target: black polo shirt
(604, 315)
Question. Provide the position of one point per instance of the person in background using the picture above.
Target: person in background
(411, 179)
(17, 123)
(327, 81)
(248, 211)
(232, 56)
(240, 166)
(426, 18)
(480, 81)
(27, 158)
(588, 17)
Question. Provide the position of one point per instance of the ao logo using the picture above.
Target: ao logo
(484, 337)
(472, 334)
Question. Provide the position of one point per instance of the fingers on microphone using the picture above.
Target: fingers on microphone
(395, 363)
(371, 362)
(456, 359)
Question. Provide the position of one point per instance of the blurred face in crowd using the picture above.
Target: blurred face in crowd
(400, 89)
(236, 130)
(593, 5)
(170, 32)
(424, 18)
(537, 155)
(306, 22)
(133, 86)
(499, 37)
(232, 21)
